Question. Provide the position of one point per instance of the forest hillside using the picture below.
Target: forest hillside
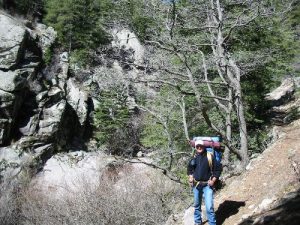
(100, 101)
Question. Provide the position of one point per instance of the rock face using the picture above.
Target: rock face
(42, 109)
(127, 40)
(285, 107)
(12, 37)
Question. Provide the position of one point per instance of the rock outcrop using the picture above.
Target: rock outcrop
(13, 37)
(284, 106)
(42, 109)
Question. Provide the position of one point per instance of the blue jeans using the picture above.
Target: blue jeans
(208, 194)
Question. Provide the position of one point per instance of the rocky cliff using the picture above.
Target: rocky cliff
(42, 108)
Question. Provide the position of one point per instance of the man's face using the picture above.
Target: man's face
(200, 148)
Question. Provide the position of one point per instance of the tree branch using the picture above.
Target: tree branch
(166, 172)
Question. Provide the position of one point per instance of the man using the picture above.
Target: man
(202, 177)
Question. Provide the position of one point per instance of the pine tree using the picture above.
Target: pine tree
(77, 23)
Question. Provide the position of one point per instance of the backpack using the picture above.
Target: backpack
(213, 147)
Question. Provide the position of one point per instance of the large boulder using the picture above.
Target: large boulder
(75, 171)
(128, 41)
(12, 80)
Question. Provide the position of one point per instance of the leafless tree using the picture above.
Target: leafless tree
(199, 32)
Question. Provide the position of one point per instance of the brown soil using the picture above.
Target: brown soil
(272, 175)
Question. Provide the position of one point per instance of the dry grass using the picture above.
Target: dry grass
(11, 198)
(129, 202)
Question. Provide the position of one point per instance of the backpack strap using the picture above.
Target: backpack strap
(210, 161)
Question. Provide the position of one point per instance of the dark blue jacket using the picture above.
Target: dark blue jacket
(200, 169)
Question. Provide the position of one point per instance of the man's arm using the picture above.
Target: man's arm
(217, 170)
(190, 171)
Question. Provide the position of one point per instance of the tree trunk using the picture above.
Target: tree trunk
(228, 132)
(232, 73)
(243, 131)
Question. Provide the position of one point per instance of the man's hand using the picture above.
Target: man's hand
(212, 181)
(191, 180)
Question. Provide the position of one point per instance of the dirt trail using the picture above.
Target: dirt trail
(271, 176)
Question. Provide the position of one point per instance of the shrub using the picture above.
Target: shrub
(132, 201)
(11, 186)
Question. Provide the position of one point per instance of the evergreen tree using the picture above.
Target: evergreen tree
(29, 8)
(78, 23)
(112, 121)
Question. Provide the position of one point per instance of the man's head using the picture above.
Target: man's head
(199, 145)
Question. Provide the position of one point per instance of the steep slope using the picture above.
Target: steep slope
(268, 192)
(250, 197)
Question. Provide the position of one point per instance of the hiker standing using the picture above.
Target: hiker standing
(203, 172)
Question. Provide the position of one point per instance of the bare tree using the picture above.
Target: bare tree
(163, 114)
(197, 37)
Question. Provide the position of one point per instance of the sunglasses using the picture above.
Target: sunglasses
(199, 146)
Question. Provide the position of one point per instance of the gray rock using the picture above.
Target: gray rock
(42, 149)
(264, 205)
(54, 91)
(282, 94)
(78, 100)
(40, 96)
(51, 119)
(9, 106)
(286, 113)
(6, 99)
(11, 81)
(124, 38)
(12, 35)
(47, 36)
(188, 216)
(64, 57)
(11, 161)
(285, 108)
(30, 127)
(67, 172)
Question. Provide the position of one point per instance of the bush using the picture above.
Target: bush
(9, 198)
(11, 186)
(132, 201)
